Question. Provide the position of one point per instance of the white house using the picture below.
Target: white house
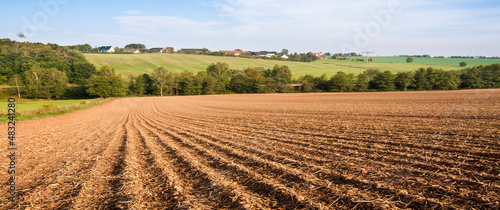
(135, 51)
(108, 49)
(284, 56)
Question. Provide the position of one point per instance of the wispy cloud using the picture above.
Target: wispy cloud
(41, 28)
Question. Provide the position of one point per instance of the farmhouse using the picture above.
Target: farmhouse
(231, 52)
(169, 50)
(108, 49)
(193, 50)
(284, 56)
(319, 55)
(264, 53)
(157, 49)
(135, 51)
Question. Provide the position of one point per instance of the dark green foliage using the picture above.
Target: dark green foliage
(220, 72)
(463, 64)
(106, 83)
(404, 80)
(342, 82)
(409, 60)
(187, 84)
(481, 77)
(384, 81)
(135, 46)
(44, 83)
(20, 57)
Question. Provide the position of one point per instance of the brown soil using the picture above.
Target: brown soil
(396, 150)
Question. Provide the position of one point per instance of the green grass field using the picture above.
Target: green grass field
(135, 64)
(438, 61)
(29, 109)
(25, 105)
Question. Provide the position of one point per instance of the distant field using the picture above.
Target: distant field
(438, 61)
(135, 64)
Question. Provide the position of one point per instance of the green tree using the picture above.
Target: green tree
(384, 81)
(447, 80)
(342, 82)
(421, 81)
(404, 80)
(463, 64)
(322, 82)
(220, 72)
(137, 85)
(135, 46)
(409, 60)
(282, 77)
(161, 78)
(106, 83)
(40, 82)
(186, 83)
(15, 80)
(56, 83)
(241, 83)
(362, 82)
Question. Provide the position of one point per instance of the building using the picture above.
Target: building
(157, 49)
(284, 56)
(264, 53)
(135, 51)
(194, 50)
(232, 52)
(169, 50)
(107, 49)
(319, 55)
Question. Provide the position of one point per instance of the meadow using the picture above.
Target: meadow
(135, 64)
(452, 62)
(27, 109)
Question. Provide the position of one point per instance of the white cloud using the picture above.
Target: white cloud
(41, 28)
(324, 24)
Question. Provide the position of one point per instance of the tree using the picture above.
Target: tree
(282, 76)
(186, 83)
(284, 51)
(409, 60)
(33, 81)
(384, 81)
(421, 81)
(447, 80)
(135, 46)
(362, 82)
(106, 83)
(404, 80)
(15, 80)
(161, 78)
(137, 85)
(40, 82)
(342, 82)
(241, 83)
(463, 64)
(56, 83)
(220, 72)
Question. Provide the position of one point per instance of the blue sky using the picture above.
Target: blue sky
(386, 27)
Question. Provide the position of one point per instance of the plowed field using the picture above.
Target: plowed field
(419, 150)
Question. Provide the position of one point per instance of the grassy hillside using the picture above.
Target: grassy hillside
(438, 61)
(134, 64)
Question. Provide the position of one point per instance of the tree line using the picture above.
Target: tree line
(51, 71)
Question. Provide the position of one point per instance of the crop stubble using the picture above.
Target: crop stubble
(331, 151)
